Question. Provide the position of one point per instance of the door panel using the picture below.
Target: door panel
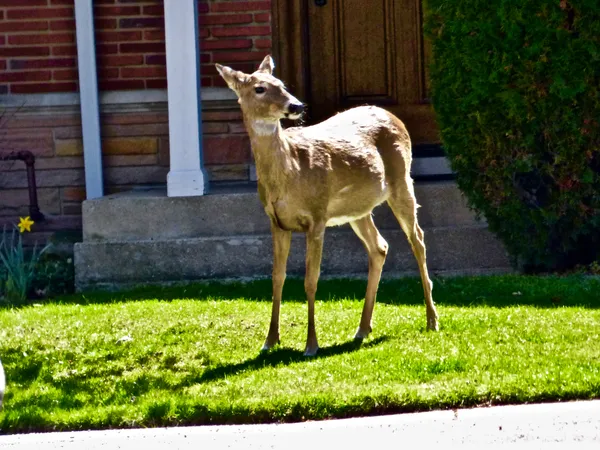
(365, 64)
(369, 52)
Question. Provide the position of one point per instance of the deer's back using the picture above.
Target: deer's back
(363, 125)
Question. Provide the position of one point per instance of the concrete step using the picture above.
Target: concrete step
(150, 214)
(105, 264)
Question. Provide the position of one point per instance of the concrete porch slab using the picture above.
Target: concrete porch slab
(144, 237)
(106, 265)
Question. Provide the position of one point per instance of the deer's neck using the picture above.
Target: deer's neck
(273, 152)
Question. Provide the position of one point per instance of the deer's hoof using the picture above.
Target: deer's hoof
(362, 334)
(269, 344)
(432, 324)
(311, 351)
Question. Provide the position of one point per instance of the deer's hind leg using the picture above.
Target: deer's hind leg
(377, 248)
(404, 205)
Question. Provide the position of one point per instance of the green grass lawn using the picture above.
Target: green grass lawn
(191, 355)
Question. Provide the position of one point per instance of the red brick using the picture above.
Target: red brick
(105, 73)
(220, 19)
(15, 201)
(237, 128)
(38, 141)
(46, 38)
(2, 64)
(164, 152)
(73, 194)
(24, 3)
(23, 26)
(262, 17)
(144, 47)
(121, 130)
(64, 50)
(65, 75)
(218, 81)
(40, 13)
(203, 32)
(240, 6)
(206, 82)
(69, 132)
(120, 60)
(24, 51)
(116, 10)
(138, 175)
(144, 72)
(224, 116)
(241, 31)
(42, 87)
(214, 128)
(158, 60)
(221, 44)
(2, 40)
(107, 49)
(153, 10)
(20, 64)
(44, 121)
(115, 85)
(142, 22)
(66, 24)
(157, 83)
(118, 36)
(154, 35)
(62, 2)
(228, 57)
(38, 75)
(247, 67)
(202, 8)
(139, 118)
(130, 160)
(105, 24)
(226, 150)
(263, 43)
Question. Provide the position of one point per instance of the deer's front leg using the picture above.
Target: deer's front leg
(281, 250)
(314, 251)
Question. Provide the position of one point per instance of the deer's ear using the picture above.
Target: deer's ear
(267, 65)
(233, 78)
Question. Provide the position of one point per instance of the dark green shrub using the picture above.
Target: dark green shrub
(516, 89)
(54, 275)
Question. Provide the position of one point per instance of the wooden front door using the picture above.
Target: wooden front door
(355, 52)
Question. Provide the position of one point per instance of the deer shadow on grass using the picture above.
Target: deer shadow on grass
(284, 356)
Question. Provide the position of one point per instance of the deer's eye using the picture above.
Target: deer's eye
(260, 90)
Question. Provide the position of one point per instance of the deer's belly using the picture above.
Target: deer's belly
(352, 203)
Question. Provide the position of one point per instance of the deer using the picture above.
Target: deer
(325, 175)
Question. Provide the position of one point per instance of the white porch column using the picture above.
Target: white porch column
(187, 176)
(88, 93)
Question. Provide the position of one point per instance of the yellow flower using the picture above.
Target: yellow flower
(25, 224)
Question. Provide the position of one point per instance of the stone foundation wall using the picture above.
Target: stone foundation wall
(135, 145)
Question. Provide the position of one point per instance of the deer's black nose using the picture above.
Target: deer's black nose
(296, 108)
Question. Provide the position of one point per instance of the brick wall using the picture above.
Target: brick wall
(38, 56)
(135, 149)
(38, 53)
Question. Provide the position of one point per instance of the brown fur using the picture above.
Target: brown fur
(324, 175)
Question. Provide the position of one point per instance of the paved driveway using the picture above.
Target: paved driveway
(574, 425)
